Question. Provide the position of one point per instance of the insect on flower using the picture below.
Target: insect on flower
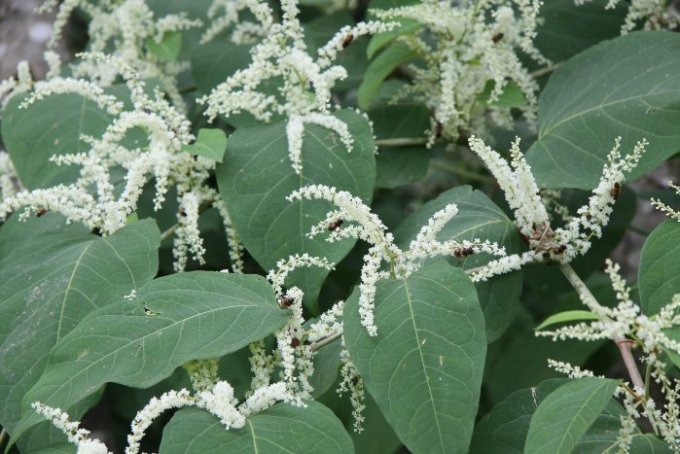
(41, 212)
(335, 225)
(347, 40)
(285, 302)
(615, 191)
(497, 37)
(462, 252)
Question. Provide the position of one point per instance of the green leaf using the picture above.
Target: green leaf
(381, 40)
(600, 94)
(168, 48)
(49, 127)
(659, 271)
(568, 28)
(567, 316)
(478, 217)
(256, 176)
(424, 368)
(398, 166)
(511, 96)
(504, 429)
(282, 428)
(566, 414)
(210, 143)
(378, 70)
(51, 276)
(172, 320)
(213, 62)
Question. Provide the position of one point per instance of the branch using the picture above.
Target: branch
(624, 345)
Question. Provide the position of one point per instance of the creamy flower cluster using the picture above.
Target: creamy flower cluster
(627, 323)
(670, 212)
(468, 47)
(653, 14)
(122, 29)
(224, 14)
(359, 222)
(216, 398)
(561, 244)
(102, 201)
(304, 94)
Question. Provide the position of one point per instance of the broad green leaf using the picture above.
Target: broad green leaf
(659, 271)
(568, 28)
(381, 40)
(567, 316)
(520, 345)
(49, 127)
(313, 429)
(566, 414)
(424, 368)
(168, 48)
(173, 319)
(400, 165)
(478, 217)
(213, 62)
(625, 87)
(381, 67)
(505, 427)
(210, 143)
(256, 176)
(326, 365)
(51, 276)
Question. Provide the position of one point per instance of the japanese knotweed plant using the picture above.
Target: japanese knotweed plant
(223, 225)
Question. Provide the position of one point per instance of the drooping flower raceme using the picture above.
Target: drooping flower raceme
(359, 222)
(670, 212)
(123, 29)
(93, 199)
(303, 95)
(471, 52)
(561, 244)
(649, 332)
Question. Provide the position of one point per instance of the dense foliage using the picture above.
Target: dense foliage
(317, 226)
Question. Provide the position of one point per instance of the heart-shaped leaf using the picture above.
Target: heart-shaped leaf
(624, 87)
(51, 276)
(478, 217)
(210, 144)
(138, 343)
(566, 415)
(282, 428)
(424, 368)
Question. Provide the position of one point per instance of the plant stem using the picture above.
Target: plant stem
(624, 345)
(168, 233)
(3, 433)
(401, 142)
(545, 70)
(461, 172)
(323, 342)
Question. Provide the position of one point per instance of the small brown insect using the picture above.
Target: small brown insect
(546, 255)
(41, 211)
(335, 225)
(497, 37)
(560, 249)
(462, 252)
(347, 40)
(615, 191)
(295, 342)
(285, 302)
(182, 212)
